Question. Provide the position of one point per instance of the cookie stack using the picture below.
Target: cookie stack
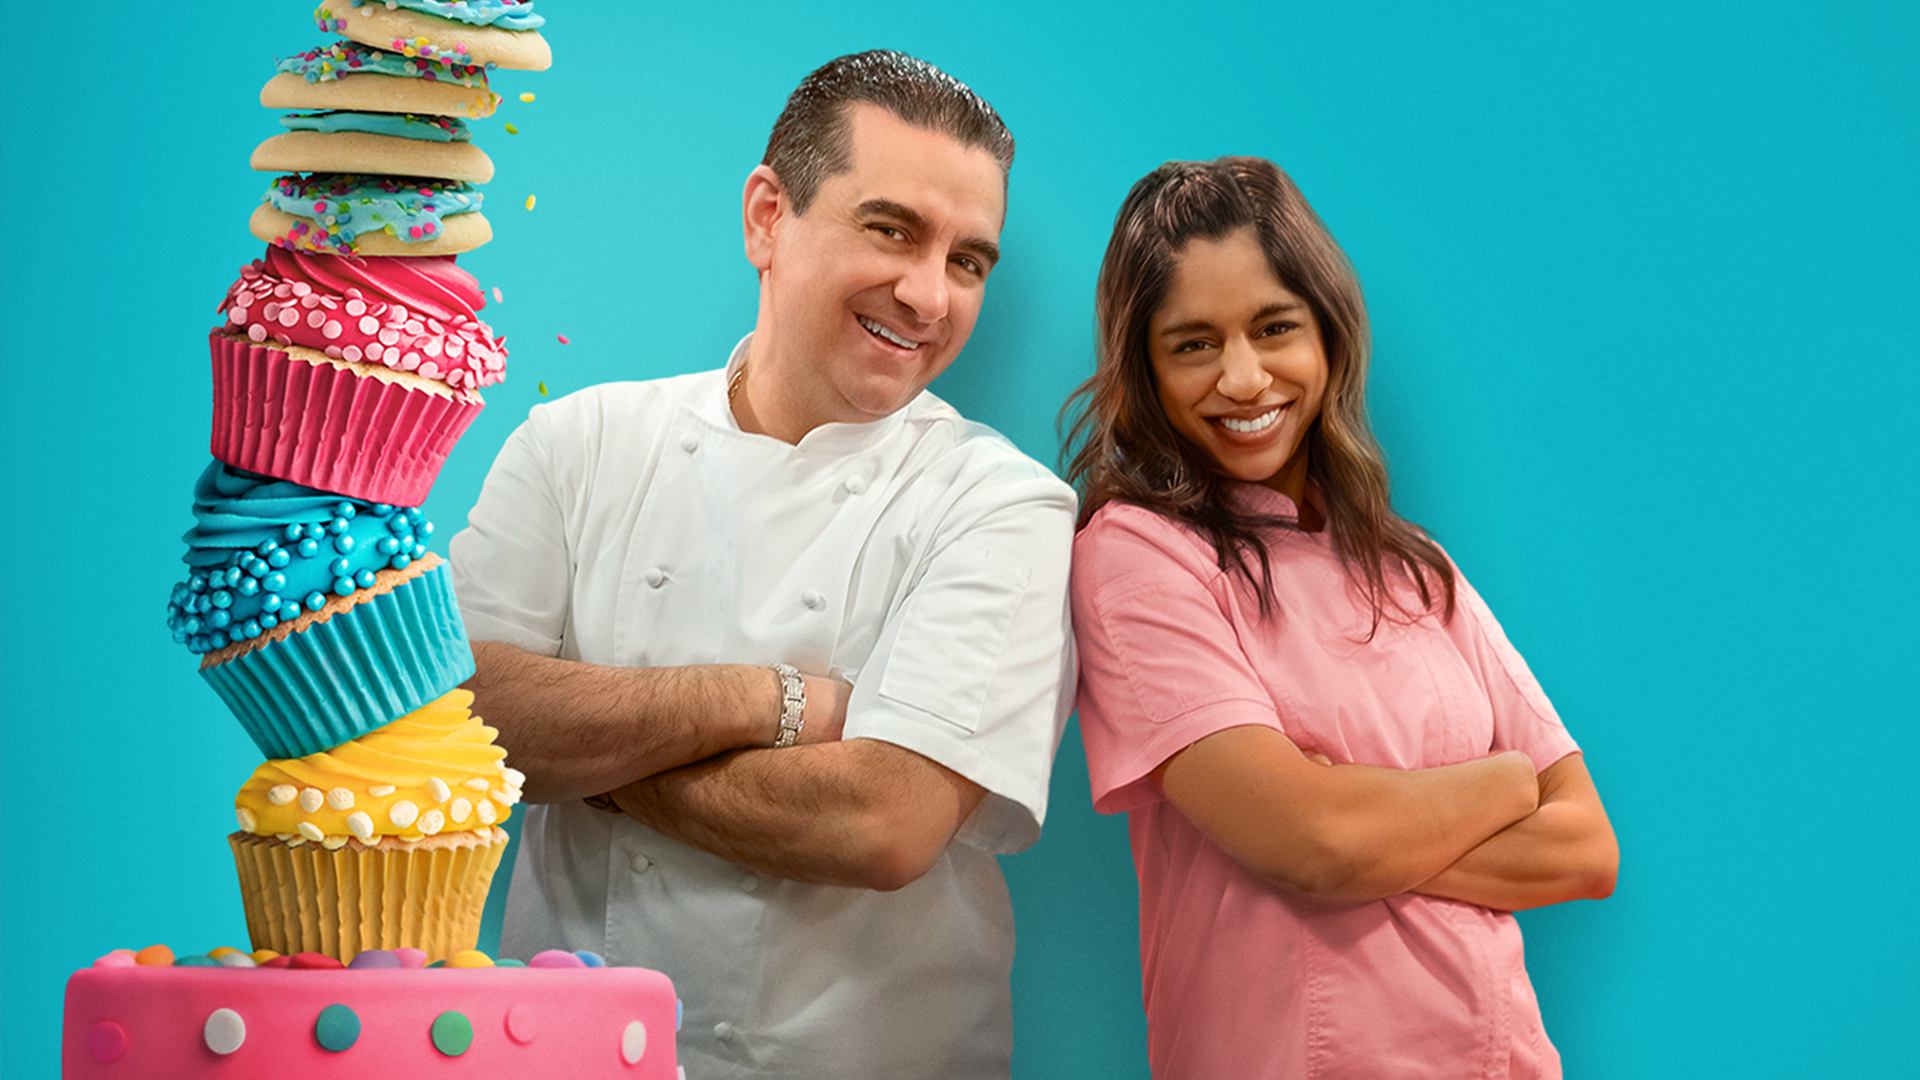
(348, 362)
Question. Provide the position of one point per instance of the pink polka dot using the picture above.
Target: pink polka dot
(106, 1041)
(331, 330)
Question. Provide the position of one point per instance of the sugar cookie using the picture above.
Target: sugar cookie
(360, 152)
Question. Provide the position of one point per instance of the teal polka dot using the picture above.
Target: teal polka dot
(452, 1033)
(337, 1029)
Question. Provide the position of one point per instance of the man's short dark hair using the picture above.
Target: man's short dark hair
(811, 140)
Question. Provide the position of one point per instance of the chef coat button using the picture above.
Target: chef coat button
(689, 442)
(749, 883)
(723, 1031)
(641, 864)
(656, 577)
(813, 600)
(855, 485)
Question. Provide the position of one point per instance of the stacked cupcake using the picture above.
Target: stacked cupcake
(349, 361)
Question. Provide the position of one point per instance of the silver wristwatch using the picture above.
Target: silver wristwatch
(793, 703)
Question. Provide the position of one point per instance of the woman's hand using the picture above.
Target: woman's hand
(1564, 850)
(1341, 833)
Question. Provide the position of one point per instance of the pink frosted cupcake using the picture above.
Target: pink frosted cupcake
(351, 375)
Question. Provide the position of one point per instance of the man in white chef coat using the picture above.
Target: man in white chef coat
(782, 647)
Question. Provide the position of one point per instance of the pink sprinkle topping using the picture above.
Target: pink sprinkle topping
(563, 340)
(497, 298)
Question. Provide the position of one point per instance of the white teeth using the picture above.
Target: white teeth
(1248, 427)
(879, 331)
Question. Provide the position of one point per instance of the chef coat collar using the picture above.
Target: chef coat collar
(825, 439)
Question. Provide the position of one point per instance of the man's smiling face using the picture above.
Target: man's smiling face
(871, 293)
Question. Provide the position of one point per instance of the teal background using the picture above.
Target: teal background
(1642, 279)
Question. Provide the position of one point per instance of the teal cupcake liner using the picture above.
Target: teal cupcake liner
(360, 669)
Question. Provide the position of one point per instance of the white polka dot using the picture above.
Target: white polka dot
(224, 1031)
(633, 1043)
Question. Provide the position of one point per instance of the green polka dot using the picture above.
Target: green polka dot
(337, 1028)
(452, 1033)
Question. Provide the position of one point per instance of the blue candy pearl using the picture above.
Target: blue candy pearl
(268, 622)
(250, 628)
(399, 562)
(364, 579)
(344, 586)
(344, 509)
(216, 640)
(266, 548)
(343, 544)
(294, 532)
(424, 529)
(223, 599)
(316, 600)
(279, 559)
(270, 603)
(219, 620)
(249, 587)
(197, 583)
(387, 545)
(309, 547)
(337, 526)
(340, 568)
(273, 582)
(382, 509)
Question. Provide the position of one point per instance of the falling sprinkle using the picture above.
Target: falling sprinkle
(563, 339)
(497, 298)
(511, 130)
(529, 202)
(543, 389)
(526, 97)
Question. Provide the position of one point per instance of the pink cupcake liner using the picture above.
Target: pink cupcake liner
(329, 428)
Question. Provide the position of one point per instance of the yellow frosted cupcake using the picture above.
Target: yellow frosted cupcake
(384, 842)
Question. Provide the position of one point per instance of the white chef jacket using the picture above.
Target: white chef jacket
(923, 558)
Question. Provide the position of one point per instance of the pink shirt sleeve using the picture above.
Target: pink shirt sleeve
(1161, 666)
(1523, 718)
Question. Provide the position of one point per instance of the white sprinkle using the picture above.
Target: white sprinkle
(312, 832)
(441, 792)
(432, 822)
(368, 324)
(282, 794)
(340, 799)
(295, 840)
(360, 825)
(474, 783)
(459, 811)
(505, 796)
(403, 814)
(486, 813)
(356, 307)
(245, 817)
(334, 843)
(514, 776)
(286, 837)
(312, 799)
(380, 790)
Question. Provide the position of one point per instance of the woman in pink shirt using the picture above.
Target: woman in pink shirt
(1339, 776)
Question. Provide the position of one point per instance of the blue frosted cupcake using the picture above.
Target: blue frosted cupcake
(317, 618)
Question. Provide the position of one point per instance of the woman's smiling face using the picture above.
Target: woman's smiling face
(1238, 362)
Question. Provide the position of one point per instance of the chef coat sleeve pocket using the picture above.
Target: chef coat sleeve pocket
(946, 648)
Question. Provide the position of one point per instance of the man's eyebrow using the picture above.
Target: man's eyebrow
(906, 215)
(985, 250)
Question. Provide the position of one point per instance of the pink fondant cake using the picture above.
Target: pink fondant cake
(132, 1021)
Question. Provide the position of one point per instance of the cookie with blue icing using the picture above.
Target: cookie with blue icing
(494, 33)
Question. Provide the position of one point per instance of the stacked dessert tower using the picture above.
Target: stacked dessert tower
(348, 362)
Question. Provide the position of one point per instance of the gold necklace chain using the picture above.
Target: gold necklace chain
(733, 385)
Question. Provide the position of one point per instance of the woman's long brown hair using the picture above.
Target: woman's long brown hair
(1122, 446)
